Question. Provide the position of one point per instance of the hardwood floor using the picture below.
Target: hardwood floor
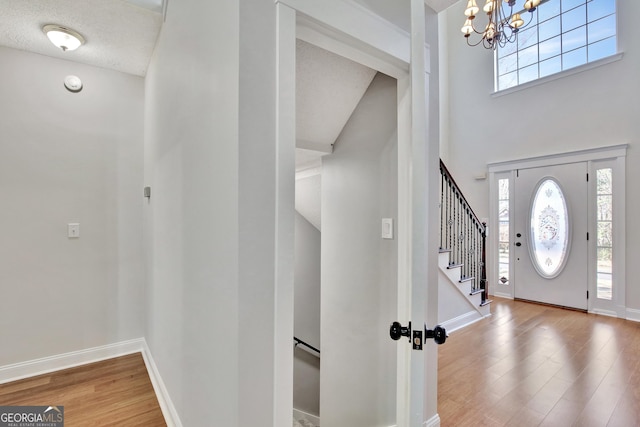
(114, 392)
(534, 365)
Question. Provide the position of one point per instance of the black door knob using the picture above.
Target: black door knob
(439, 334)
(398, 331)
(518, 244)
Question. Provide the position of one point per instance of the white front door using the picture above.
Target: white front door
(550, 244)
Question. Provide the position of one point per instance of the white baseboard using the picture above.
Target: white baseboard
(633, 314)
(503, 295)
(461, 321)
(433, 421)
(45, 365)
(164, 400)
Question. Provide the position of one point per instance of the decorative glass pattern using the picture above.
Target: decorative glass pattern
(604, 243)
(549, 240)
(503, 236)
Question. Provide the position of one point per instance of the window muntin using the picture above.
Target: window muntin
(604, 238)
(549, 238)
(563, 34)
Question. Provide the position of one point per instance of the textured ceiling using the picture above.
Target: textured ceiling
(120, 35)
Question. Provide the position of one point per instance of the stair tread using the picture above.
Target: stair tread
(486, 302)
(452, 266)
(477, 291)
(444, 250)
(466, 279)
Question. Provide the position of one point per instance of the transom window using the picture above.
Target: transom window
(563, 34)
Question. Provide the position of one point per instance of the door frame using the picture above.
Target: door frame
(375, 43)
(613, 156)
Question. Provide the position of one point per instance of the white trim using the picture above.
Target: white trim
(502, 295)
(327, 38)
(633, 314)
(462, 321)
(45, 365)
(433, 421)
(589, 154)
(579, 69)
(357, 22)
(167, 407)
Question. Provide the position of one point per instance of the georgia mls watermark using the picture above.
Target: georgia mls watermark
(31, 416)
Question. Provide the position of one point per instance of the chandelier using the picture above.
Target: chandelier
(502, 27)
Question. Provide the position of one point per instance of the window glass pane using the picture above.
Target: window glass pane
(574, 39)
(527, 57)
(508, 80)
(604, 185)
(504, 231)
(574, 18)
(508, 64)
(504, 273)
(558, 27)
(574, 58)
(550, 66)
(508, 49)
(605, 233)
(503, 189)
(570, 4)
(602, 29)
(605, 287)
(548, 29)
(527, 38)
(605, 208)
(527, 74)
(597, 9)
(550, 48)
(602, 49)
(548, 10)
(503, 210)
(549, 221)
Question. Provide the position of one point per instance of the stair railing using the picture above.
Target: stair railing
(462, 233)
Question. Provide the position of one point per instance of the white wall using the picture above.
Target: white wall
(306, 366)
(64, 158)
(595, 108)
(210, 132)
(359, 292)
(191, 153)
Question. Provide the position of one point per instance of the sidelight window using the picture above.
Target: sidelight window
(604, 224)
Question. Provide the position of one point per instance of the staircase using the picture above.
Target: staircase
(462, 258)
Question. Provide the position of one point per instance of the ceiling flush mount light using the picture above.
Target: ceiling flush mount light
(64, 38)
(502, 27)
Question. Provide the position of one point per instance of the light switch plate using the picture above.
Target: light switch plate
(73, 230)
(387, 228)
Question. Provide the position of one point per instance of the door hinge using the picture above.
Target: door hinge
(587, 177)
(587, 235)
(587, 294)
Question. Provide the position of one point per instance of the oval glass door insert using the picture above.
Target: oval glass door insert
(550, 229)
